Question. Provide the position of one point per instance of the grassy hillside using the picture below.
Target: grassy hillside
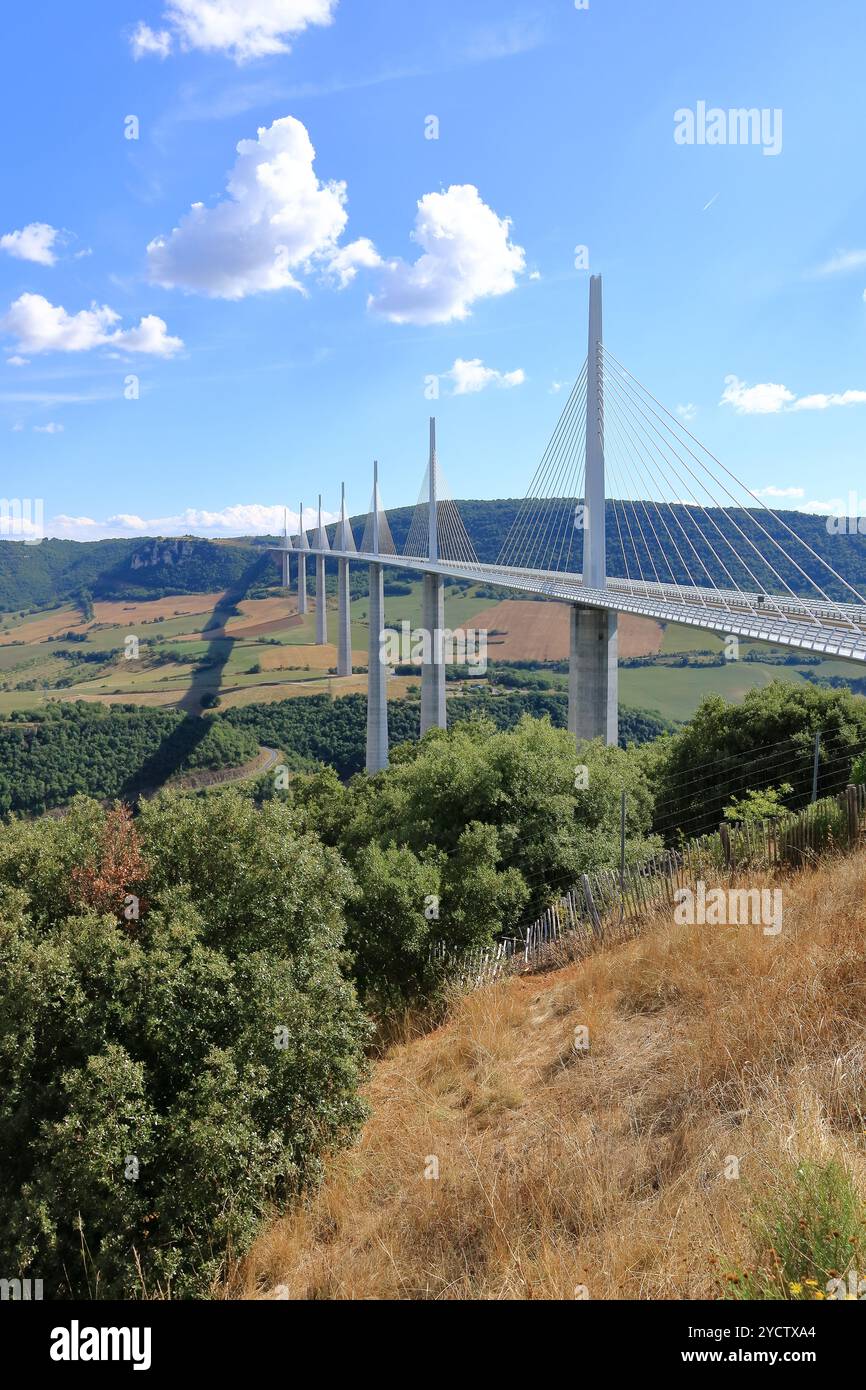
(712, 1051)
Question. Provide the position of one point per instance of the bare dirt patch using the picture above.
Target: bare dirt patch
(519, 630)
(125, 611)
(40, 629)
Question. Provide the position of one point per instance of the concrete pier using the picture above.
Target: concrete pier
(344, 621)
(433, 704)
(433, 707)
(592, 674)
(377, 682)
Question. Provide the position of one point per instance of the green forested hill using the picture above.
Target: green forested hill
(55, 571)
(49, 758)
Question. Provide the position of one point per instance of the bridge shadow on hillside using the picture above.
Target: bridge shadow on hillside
(206, 680)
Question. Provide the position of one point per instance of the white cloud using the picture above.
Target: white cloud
(146, 42)
(345, 263)
(40, 326)
(766, 399)
(277, 219)
(16, 361)
(687, 412)
(467, 255)
(823, 402)
(243, 29)
(794, 493)
(35, 242)
(842, 262)
(51, 428)
(470, 376)
(242, 519)
(771, 398)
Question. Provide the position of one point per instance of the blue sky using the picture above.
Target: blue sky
(282, 333)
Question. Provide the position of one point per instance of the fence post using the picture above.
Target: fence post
(853, 811)
(725, 837)
(591, 907)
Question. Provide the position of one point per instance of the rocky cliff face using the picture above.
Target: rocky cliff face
(164, 552)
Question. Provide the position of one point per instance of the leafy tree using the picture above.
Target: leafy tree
(160, 1088)
(728, 750)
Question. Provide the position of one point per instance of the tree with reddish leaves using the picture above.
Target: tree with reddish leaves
(112, 881)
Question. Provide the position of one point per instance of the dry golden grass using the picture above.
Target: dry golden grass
(560, 1169)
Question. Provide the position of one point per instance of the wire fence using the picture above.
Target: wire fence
(613, 905)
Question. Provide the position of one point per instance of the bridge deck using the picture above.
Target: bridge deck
(804, 624)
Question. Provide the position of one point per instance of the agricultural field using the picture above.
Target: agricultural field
(195, 648)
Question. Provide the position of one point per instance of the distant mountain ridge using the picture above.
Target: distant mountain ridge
(155, 566)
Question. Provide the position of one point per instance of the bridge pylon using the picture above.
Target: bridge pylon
(345, 541)
(377, 670)
(285, 558)
(593, 682)
(303, 546)
(321, 598)
(433, 707)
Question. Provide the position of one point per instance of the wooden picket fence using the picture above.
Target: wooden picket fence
(602, 908)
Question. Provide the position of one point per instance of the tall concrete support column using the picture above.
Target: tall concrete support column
(344, 621)
(303, 546)
(377, 683)
(321, 603)
(321, 596)
(285, 559)
(433, 706)
(593, 674)
(302, 582)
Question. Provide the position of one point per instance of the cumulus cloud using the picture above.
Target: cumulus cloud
(242, 29)
(345, 263)
(146, 42)
(242, 519)
(51, 428)
(687, 412)
(40, 326)
(470, 376)
(466, 255)
(277, 219)
(771, 398)
(766, 399)
(35, 242)
(794, 493)
(16, 361)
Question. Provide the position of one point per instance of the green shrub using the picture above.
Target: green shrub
(165, 1077)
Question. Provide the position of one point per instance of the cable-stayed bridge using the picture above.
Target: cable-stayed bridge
(627, 512)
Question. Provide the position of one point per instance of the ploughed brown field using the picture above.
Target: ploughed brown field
(519, 630)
